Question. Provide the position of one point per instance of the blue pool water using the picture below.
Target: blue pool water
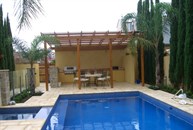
(24, 113)
(115, 111)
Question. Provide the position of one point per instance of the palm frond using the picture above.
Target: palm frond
(166, 11)
(21, 47)
(136, 42)
(19, 44)
(25, 10)
(44, 38)
(125, 19)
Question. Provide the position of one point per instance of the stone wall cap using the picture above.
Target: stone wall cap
(4, 70)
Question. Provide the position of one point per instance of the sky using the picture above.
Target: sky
(72, 16)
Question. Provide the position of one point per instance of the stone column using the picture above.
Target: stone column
(53, 75)
(5, 87)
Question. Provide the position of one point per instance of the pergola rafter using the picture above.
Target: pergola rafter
(91, 39)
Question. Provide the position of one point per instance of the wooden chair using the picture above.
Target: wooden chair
(83, 81)
(103, 79)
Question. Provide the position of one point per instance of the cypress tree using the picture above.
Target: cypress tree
(173, 42)
(145, 17)
(139, 12)
(156, 1)
(8, 43)
(149, 56)
(145, 13)
(12, 61)
(152, 9)
(5, 46)
(161, 58)
(3, 62)
(152, 53)
(179, 70)
(188, 64)
(1, 37)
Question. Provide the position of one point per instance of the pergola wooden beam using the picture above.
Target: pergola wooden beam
(46, 67)
(85, 48)
(69, 38)
(142, 66)
(88, 36)
(78, 63)
(110, 63)
(91, 37)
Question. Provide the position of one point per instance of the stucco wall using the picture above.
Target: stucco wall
(99, 59)
(89, 59)
(25, 66)
(130, 68)
(166, 68)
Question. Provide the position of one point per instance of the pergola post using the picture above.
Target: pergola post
(142, 66)
(78, 63)
(110, 63)
(46, 67)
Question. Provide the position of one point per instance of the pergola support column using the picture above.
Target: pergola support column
(78, 63)
(110, 63)
(142, 66)
(46, 67)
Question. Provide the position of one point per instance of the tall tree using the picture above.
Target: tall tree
(179, 70)
(5, 45)
(139, 12)
(6, 48)
(149, 55)
(3, 61)
(173, 41)
(156, 1)
(161, 50)
(1, 37)
(154, 30)
(8, 45)
(188, 64)
(11, 58)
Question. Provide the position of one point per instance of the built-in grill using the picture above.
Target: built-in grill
(70, 69)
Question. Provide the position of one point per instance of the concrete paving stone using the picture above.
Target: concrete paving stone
(2, 127)
(22, 127)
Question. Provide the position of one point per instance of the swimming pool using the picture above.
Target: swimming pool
(115, 111)
(24, 113)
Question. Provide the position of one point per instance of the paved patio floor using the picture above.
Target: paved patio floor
(49, 98)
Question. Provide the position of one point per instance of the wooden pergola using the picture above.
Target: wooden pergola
(88, 41)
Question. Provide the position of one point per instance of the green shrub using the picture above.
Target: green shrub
(154, 87)
(189, 94)
(23, 96)
(38, 93)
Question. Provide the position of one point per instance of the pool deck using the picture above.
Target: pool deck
(49, 98)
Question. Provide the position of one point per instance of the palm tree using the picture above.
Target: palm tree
(33, 53)
(137, 41)
(25, 10)
(152, 27)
